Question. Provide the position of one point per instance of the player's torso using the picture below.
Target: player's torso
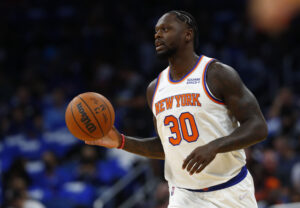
(188, 116)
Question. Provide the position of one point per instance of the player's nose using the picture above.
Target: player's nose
(157, 35)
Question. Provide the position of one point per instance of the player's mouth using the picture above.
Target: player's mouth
(159, 45)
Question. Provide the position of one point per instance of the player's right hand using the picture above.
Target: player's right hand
(111, 140)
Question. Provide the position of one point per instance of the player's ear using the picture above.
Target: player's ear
(188, 35)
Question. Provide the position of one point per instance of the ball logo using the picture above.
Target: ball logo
(99, 109)
(85, 119)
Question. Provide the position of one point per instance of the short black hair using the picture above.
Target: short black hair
(190, 21)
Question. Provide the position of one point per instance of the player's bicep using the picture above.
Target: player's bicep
(243, 104)
(236, 96)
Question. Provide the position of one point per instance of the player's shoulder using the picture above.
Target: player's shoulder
(152, 84)
(220, 71)
(218, 67)
(222, 78)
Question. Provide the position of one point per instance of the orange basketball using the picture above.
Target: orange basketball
(89, 116)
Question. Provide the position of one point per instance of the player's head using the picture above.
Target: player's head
(174, 30)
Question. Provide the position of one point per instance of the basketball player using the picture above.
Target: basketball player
(204, 116)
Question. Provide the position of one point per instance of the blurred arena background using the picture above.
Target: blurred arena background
(51, 51)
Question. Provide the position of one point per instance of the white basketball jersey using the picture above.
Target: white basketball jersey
(189, 116)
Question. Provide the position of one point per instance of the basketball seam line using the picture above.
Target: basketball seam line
(78, 124)
(92, 114)
(108, 109)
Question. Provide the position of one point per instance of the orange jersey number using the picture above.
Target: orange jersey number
(180, 129)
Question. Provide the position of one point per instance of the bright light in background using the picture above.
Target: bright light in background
(273, 16)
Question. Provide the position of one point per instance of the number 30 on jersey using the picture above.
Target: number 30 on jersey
(179, 127)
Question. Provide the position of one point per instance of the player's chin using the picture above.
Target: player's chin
(162, 54)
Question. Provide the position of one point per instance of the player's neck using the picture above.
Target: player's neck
(181, 63)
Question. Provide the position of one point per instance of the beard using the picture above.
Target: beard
(165, 54)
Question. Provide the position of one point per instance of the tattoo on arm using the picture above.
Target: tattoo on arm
(226, 84)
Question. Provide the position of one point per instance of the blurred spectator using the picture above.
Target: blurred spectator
(131, 104)
(48, 176)
(54, 109)
(16, 196)
(86, 171)
(287, 159)
(162, 195)
(283, 117)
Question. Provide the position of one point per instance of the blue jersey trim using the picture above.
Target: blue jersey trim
(205, 85)
(176, 81)
(235, 180)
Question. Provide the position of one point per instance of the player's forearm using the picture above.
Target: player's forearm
(150, 147)
(249, 133)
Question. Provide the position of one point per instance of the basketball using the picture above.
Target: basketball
(89, 116)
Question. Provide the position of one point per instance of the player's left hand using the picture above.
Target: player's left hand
(199, 158)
